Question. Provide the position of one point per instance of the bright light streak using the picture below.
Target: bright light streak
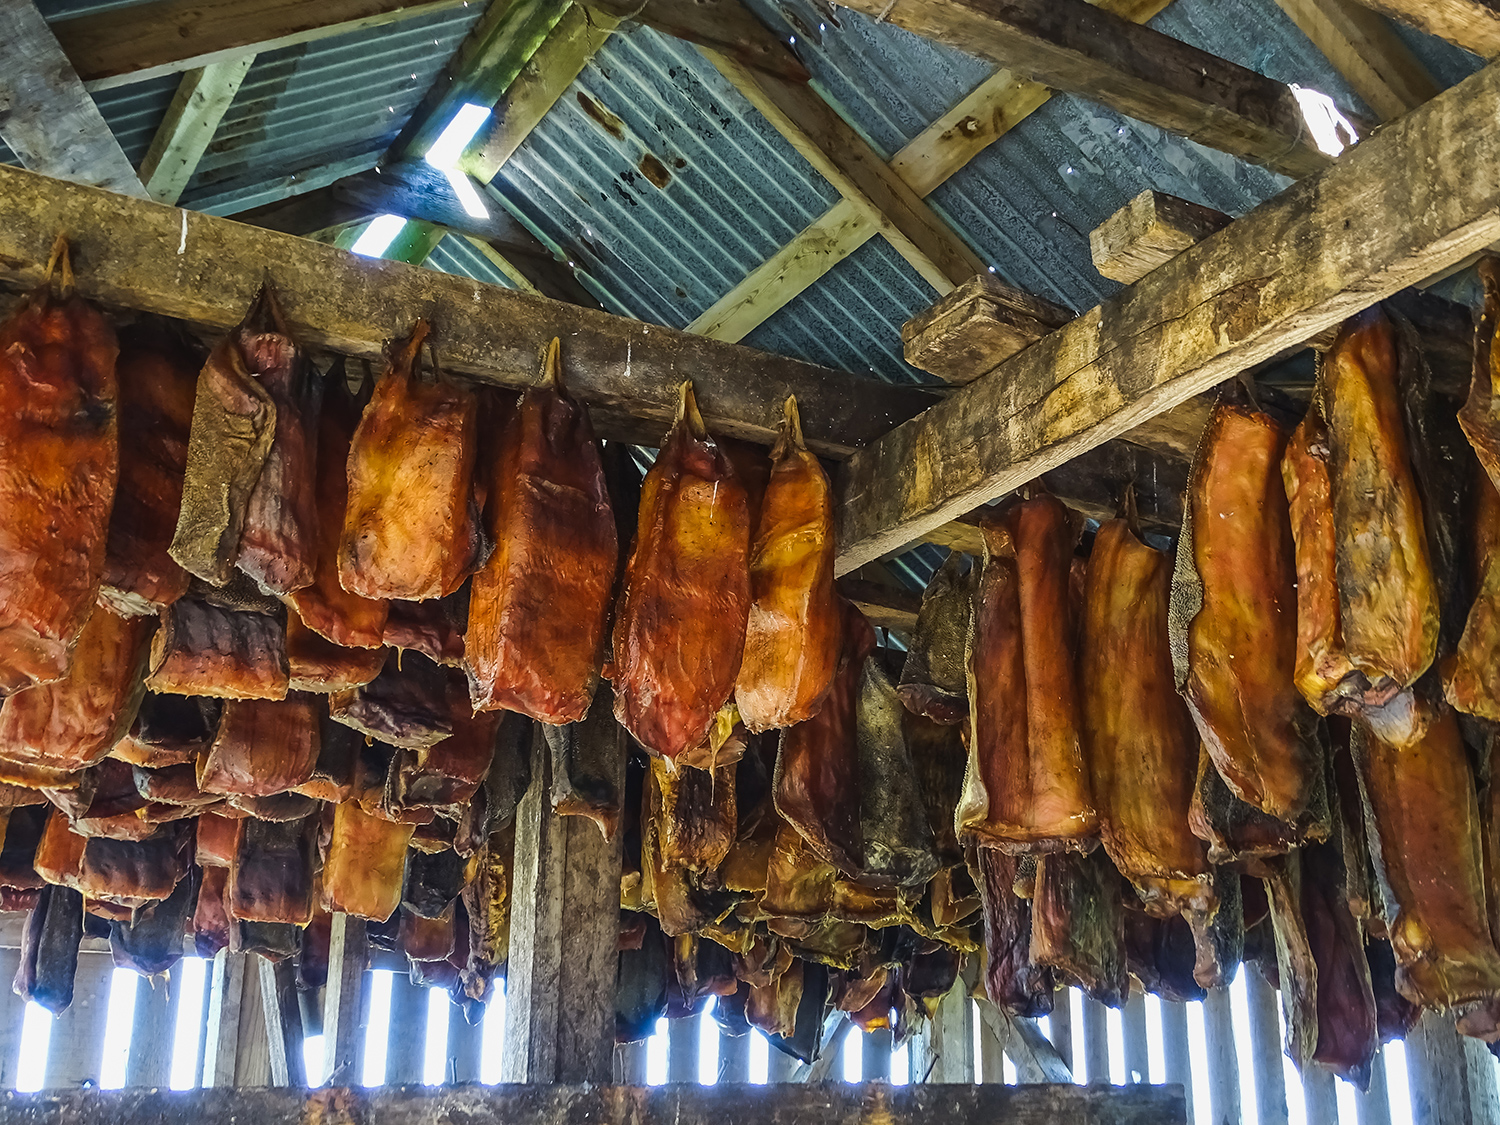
(708, 1046)
(463, 187)
(854, 1055)
(493, 1048)
(378, 236)
(656, 1055)
(377, 1031)
(1324, 120)
(760, 1059)
(456, 135)
(191, 976)
(435, 1057)
(36, 1035)
(313, 1064)
(118, 1018)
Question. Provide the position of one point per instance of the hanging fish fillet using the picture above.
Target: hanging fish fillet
(446, 775)
(1423, 815)
(934, 681)
(1011, 979)
(135, 871)
(792, 639)
(1480, 416)
(898, 849)
(938, 759)
(151, 942)
(540, 604)
(262, 747)
(59, 458)
(772, 1008)
(23, 833)
(158, 380)
(433, 628)
(234, 425)
(1140, 741)
(411, 525)
(588, 765)
(680, 626)
(364, 863)
(487, 902)
(316, 664)
(1233, 617)
(49, 949)
(817, 769)
(271, 878)
(203, 649)
(1026, 787)
(411, 704)
(324, 606)
(169, 730)
(74, 722)
(1347, 1032)
(1236, 831)
(1078, 924)
(1471, 676)
(696, 815)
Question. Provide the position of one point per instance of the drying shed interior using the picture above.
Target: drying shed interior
(750, 560)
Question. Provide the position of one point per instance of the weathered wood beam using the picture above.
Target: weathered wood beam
(935, 155)
(153, 1030)
(726, 26)
(47, 118)
(886, 607)
(226, 993)
(845, 159)
(283, 1016)
(1452, 1076)
(1265, 1052)
(343, 1000)
(1414, 198)
(136, 254)
(982, 322)
(203, 97)
(1473, 25)
(1032, 1054)
(1363, 47)
(1153, 228)
(76, 1046)
(1072, 46)
(141, 41)
(834, 1103)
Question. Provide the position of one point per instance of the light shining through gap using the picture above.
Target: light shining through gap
(378, 236)
(446, 150)
(1324, 120)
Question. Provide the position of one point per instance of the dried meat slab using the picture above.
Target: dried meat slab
(74, 722)
(169, 730)
(135, 871)
(1027, 787)
(1140, 740)
(1234, 620)
(49, 949)
(158, 377)
(540, 604)
(23, 834)
(271, 878)
(899, 848)
(679, 631)
(487, 902)
(204, 649)
(793, 636)
(151, 942)
(588, 765)
(262, 747)
(316, 664)
(364, 864)
(411, 526)
(934, 680)
(448, 774)
(58, 430)
(410, 704)
(1471, 676)
(1012, 980)
(1078, 923)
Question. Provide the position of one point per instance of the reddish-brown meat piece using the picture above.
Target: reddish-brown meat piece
(317, 664)
(792, 639)
(262, 747)
(59, 459)
(202, 649)
(680, 627)
(364, 863)
(540, 604)
(411, 527)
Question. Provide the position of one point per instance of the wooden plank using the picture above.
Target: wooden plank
(278, 997)
(1060, 1026)
(682, 1049)
(1473, 25)
(1223, 1060)
(1174, 1042)
(981, 323)
(1074, 47)
(47, 118)
(1452, 1076)
(559, 1006)
(153, 1031)
(837, 1029)
(1393, 210)
(780, 1066)
(1133, 1034)
(221, 1034)
(630, 1063)
(1373, 1106)
(202, 98)
(727, 26)
(990, 1066)
(1094, 1031)
(887, 607)
(12, 1015)
(1035, 1058)
(1265, 1051)
(465, 1046)
(343, 1000)
(1362, 46)
(875, 1055)
(75, 1050)
(1320, 1100)
(252, 1060)
(833, 1103)
(126, 254)
(847, 161)
(943, 1049)
(406, 1037)
(141, 41)
(734, 1058)
(1151, 229)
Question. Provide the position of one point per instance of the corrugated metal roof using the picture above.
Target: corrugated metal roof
(456, 255)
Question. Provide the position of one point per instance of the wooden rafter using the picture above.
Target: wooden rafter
(141, 255)
(1363, 47)
(141, 41)
(1415, 198)
(1473, 25)
(47, 118)
(203, 97)
(996, 106)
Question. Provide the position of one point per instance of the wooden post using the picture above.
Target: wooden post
(780, 1066)
(153, 1030)
(77, 1045)
(12, 1012)
(1223, 1063)
(682, 1049)
(630, 1063)
(406, 1042)
(875, 1055)
(1265, 1050)
(1374, 1105)
(348, 978)
(1174, 1043)
(221, 1036)
(465, 1046)
(278, 995)
(991, 1062)
(560, 1006)
(1060, 1025)
(1032, 1054)
(1452, 1076)
(1095, 1041)
(1137, 1054)
(734, 1058)
(1320, 1098)
(943, 1051)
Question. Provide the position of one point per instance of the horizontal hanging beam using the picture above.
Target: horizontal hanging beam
(1417, 197)
(135, 254)
(1473, 25)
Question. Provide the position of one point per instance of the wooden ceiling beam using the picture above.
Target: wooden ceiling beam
(1077, 48)
(141, 41)
(136, 254)
(202, 98)
(47, 118)
(1366, 50)
(1473, 25)
(725, 26)
(1395, 209)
